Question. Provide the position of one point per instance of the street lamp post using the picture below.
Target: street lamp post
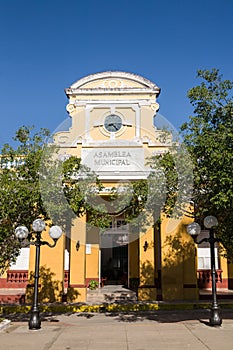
(194, 229)
(21, 233)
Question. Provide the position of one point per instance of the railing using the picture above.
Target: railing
(18, 280)
(18, 276)
(205, 278)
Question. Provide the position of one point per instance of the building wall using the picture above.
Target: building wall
(178, 261)
(88, 107)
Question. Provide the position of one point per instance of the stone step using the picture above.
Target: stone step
(110, 294)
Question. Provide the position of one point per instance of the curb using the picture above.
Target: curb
(4, 324)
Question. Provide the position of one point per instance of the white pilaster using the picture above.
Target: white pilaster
(88, 110)
(137, 110)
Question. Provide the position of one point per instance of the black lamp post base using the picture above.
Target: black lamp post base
(215, 319)
(34, 322)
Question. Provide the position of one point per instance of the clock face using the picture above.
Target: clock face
(112, 123)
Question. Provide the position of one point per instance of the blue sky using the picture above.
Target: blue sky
(46, 45)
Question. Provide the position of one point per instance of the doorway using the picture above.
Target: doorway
(114, 253)
(114, 265)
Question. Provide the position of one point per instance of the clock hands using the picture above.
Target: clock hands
(114, 125)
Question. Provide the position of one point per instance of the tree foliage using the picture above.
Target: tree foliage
(173, 185)
(34, 183)
(19, 189)
(208, 136)
(82, 190)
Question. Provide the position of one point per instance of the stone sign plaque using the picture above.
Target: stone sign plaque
(118, 159)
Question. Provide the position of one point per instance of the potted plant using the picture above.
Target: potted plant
(93, 284)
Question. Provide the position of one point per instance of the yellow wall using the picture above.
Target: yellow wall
(134, 259)
(135, 99)
(51, 269)
(147, 290)
(178, 260)
(78, 261)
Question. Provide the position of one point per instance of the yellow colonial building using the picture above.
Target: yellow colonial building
(113, 131)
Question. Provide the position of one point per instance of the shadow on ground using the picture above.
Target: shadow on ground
(170, 316)
(20, 317)
(160, 316)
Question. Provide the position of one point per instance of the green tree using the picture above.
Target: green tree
(208, 135)
(19, 189)
(35, 182)
(82, 190)
(171, 182)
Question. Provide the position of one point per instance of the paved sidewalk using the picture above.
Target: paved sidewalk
(173, 330)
